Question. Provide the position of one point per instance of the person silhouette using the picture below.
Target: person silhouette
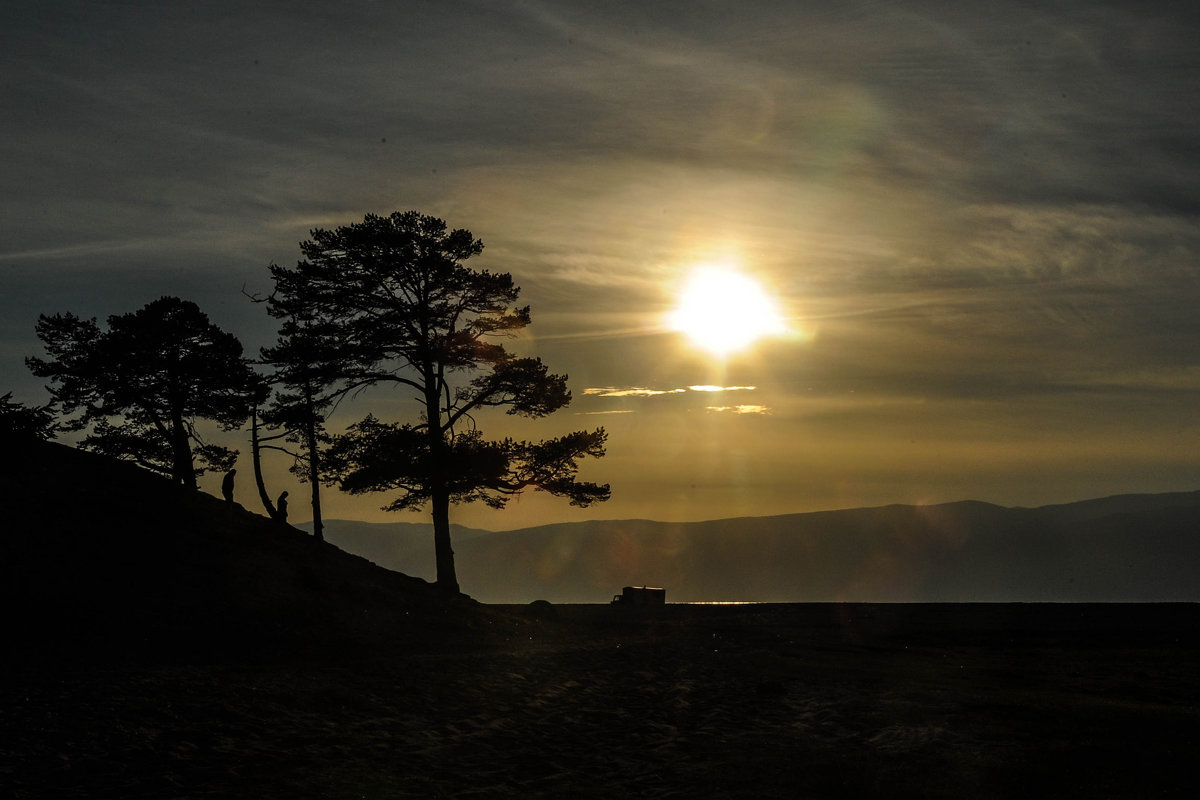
(227, 486)
(281, 507)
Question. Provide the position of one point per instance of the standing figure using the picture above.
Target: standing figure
(227, 486)
(281, 507)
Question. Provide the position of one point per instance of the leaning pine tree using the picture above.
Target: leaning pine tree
(306, 363)
(394, 296)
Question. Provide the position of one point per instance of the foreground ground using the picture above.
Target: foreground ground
(681, 701)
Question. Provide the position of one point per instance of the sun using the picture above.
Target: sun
(722, 310)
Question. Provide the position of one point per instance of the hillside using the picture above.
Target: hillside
(1125, 548)
(101, 556)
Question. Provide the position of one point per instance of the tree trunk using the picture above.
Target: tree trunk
(314, 470)
(447, 580)
(439, 491)
(318, 525)
(181, 454)
(256, 458)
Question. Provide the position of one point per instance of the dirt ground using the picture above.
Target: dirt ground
(796, 701)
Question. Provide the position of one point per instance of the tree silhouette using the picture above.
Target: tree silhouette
(257, 445)
(20, 420)
(394, 298)
(144, 382)
(306, 363)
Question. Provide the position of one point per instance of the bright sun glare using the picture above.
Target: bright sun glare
(723, 311)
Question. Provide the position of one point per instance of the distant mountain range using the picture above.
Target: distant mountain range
(1124, 548)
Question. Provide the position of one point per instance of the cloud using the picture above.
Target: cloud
(630, 392)
(638, 391)
(742, 409)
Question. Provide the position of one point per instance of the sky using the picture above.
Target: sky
(977, 221)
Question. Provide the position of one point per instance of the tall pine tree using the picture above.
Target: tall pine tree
(393, 298)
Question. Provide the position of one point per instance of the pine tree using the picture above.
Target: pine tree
(142, 384)
(392, 297)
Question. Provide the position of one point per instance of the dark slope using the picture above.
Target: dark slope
(100, 557)
(1127, 548)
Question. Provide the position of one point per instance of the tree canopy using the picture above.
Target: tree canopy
(393, 297)
(142, 384)
(18, 419)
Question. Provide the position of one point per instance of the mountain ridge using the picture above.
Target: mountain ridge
(1189, 498)
(1125, 547)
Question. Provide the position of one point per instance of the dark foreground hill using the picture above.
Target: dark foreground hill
(101, 557)
(1130, 548)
